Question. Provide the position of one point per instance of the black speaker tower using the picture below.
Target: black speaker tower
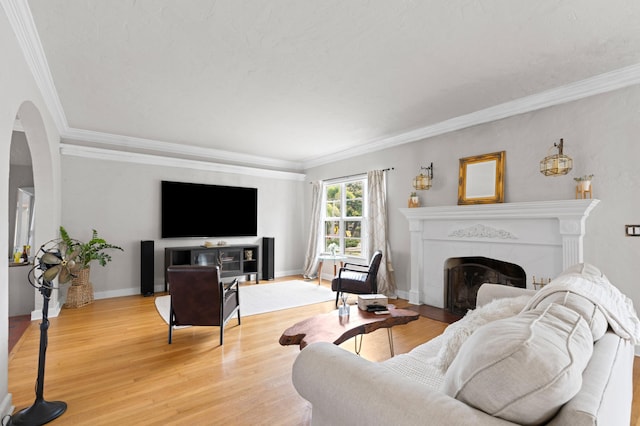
(268, 268)
(146, 268)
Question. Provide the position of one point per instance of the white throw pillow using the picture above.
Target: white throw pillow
(583, 269)
(523, 368)
(591, 313)
(458, 332)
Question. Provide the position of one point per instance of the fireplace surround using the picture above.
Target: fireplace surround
(542, 237)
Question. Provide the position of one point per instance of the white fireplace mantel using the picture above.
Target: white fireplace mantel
(543, 237)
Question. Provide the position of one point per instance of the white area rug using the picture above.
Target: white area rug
(262, 298)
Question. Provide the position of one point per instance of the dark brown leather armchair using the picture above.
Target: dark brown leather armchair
(199, 298)
(358, 279)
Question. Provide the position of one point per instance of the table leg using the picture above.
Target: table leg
(335, 270)
(358, 346)
(320, 272)
(390, 334)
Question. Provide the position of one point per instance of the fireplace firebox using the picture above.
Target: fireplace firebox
(464, 276)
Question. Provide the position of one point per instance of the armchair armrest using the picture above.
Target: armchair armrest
(349, 265)
(360, 272)
(229, 286)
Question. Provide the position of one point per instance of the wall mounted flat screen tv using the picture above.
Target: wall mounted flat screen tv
(200, 210)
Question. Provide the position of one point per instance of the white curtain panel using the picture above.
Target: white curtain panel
(377, 230)
(311, 258)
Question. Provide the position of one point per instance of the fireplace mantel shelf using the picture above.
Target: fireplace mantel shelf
(543, 237)
(523, 210)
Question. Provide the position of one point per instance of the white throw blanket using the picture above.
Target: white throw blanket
(616, 307)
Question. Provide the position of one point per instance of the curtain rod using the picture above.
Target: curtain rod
(354, 175)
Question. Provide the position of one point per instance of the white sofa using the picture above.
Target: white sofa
(413, 388)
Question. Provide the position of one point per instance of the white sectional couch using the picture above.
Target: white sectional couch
(559, 356)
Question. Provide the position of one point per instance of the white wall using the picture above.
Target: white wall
(20, 95)
(121, 201)
(600, 134)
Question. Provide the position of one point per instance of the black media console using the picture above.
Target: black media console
(234, 260)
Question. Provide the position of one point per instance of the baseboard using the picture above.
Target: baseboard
(6, 407)
(402, 294)
(158, 287)
(54, 311)
(280, 274)
(118, 293)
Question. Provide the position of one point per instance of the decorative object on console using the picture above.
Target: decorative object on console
(55, 259)
(556, 164)
(584, 186)
(481, 179)
(414, 201)
(423, 180)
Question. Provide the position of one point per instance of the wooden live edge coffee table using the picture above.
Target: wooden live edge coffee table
(330, 327)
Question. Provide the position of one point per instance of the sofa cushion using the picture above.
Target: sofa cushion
(583, 306)
(458, 332)
(523, 368)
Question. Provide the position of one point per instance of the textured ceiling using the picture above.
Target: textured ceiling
(297, 80)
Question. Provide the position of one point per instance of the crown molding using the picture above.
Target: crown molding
(121, 141)
(599, 84)
(158, 160)
(21, 20)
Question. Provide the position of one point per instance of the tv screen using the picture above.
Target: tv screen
(199, 210)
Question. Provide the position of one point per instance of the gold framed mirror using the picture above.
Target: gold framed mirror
(481, 179)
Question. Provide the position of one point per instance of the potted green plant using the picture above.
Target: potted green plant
(92, 250)
(83, 253)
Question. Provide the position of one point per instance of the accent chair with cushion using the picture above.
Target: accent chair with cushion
(200, 298)
(358, 279)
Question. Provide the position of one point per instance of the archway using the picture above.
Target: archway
(20, 205)
(45, 175)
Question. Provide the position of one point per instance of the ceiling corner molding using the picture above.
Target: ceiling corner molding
(21, 20)
(603, 83)
(164, 161)
(121, 141)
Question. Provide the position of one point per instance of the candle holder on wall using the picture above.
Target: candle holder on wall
(556, 164)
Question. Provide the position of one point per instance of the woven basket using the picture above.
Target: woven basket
(80, 292)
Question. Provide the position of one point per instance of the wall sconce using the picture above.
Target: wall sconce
(423, 180)
(557, 164)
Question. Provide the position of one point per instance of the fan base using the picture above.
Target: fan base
(39, 413)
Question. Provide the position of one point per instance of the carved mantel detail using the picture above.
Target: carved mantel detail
(482, 231)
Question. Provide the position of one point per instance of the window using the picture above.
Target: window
(344, 211)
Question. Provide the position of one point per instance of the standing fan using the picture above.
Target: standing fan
(53, 260)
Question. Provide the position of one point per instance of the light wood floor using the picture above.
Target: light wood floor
(111, 363)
